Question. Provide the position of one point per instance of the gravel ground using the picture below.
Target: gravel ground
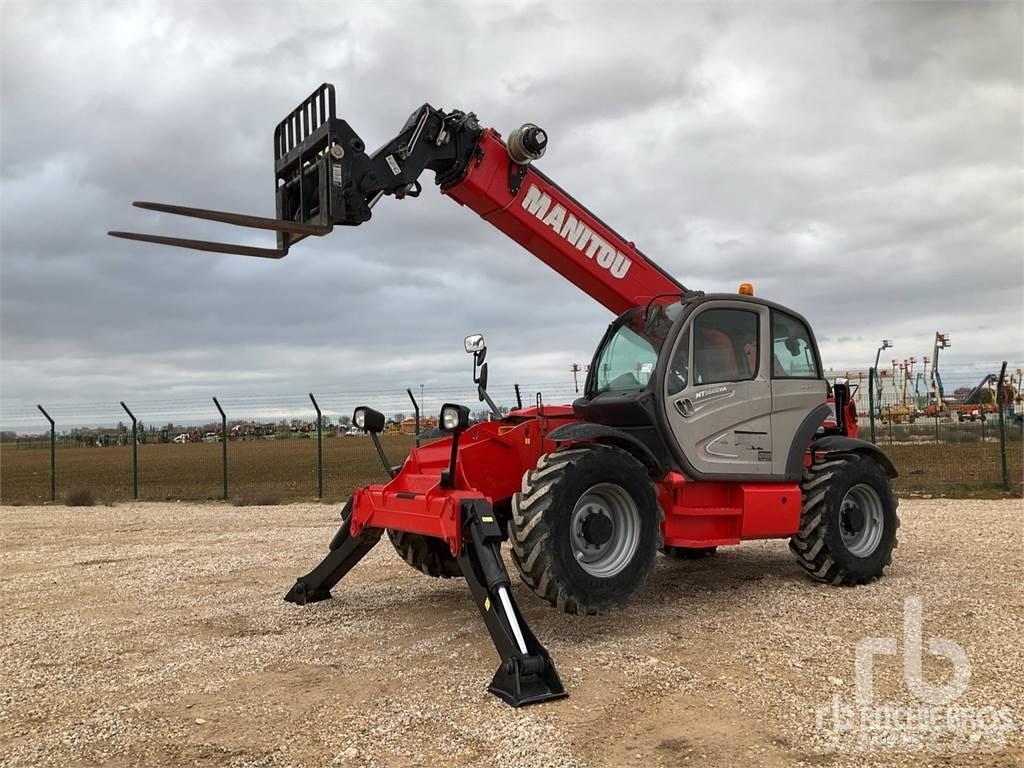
(155, 635)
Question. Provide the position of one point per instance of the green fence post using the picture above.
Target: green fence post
(224, 445)
(871, 401)
(53, 454)
(1000, 402)
(135, 451)
(319, 448)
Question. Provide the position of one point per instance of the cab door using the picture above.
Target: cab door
(797, 385)
(718, 391)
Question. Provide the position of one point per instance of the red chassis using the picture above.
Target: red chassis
(491, 458)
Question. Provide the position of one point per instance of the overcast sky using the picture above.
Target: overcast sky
(860, 163)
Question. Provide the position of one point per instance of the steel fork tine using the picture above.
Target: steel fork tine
(204, 245)
(238, 219)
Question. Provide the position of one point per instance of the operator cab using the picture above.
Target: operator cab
(719, 387)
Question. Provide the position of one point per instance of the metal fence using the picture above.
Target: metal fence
(947, 446)
(279, 448)
(301, 447)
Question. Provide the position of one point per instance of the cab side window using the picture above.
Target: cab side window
(725, 346)
(792, 352)
(679, 366)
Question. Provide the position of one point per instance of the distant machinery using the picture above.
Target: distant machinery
(938, 397)
(886, 344)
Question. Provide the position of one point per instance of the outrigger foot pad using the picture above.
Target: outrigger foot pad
(533, 682)
(346, 551)
(527, 674)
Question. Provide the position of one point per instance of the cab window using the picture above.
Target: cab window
(627, 363)
(725, 346)
(629, 356)
(792, 352)
(679, 367)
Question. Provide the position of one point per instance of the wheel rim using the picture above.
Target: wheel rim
(861, 520)
(604, 530)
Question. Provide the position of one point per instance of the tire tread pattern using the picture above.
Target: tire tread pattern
(529, 531)
(809, 544)
(426, 554)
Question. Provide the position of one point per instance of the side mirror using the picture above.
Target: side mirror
(475, 343)
(482, 380)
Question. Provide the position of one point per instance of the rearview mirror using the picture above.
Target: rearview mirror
(474, 343)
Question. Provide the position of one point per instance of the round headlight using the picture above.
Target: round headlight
(360, 419)
(450, 419)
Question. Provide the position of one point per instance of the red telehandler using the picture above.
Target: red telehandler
(706, 419)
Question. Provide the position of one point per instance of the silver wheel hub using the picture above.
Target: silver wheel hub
(604, 530)
(861, 520)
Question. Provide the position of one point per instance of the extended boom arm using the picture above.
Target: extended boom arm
(324, 177)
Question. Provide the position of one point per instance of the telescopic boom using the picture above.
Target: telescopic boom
(324, 177)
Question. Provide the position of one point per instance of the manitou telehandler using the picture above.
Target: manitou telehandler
(706, 419)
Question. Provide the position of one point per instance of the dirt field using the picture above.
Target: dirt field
(288, 468)
(155, 635)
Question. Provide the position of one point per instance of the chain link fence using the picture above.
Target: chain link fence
(945, 445)
(277, 450)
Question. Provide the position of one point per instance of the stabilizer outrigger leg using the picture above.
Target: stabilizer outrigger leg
(526, 675)
(346, 551)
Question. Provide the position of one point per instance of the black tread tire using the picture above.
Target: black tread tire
(819, 546)
(688, 553)
(426, 554)
(538, 530)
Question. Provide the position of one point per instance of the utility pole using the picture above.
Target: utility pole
(575, 368)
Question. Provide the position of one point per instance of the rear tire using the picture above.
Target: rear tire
(848, 524)
(426, 554)
(586, 528)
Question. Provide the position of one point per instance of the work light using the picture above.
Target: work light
(454, 418)
(368, 419)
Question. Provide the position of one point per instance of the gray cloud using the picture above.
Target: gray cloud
(861, 163)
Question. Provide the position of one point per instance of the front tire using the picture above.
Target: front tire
(586, 528)
(848, 524)
(426, 554)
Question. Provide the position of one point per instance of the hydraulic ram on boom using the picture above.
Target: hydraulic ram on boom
(325, 177)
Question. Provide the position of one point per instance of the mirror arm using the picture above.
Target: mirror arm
(484, 397)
